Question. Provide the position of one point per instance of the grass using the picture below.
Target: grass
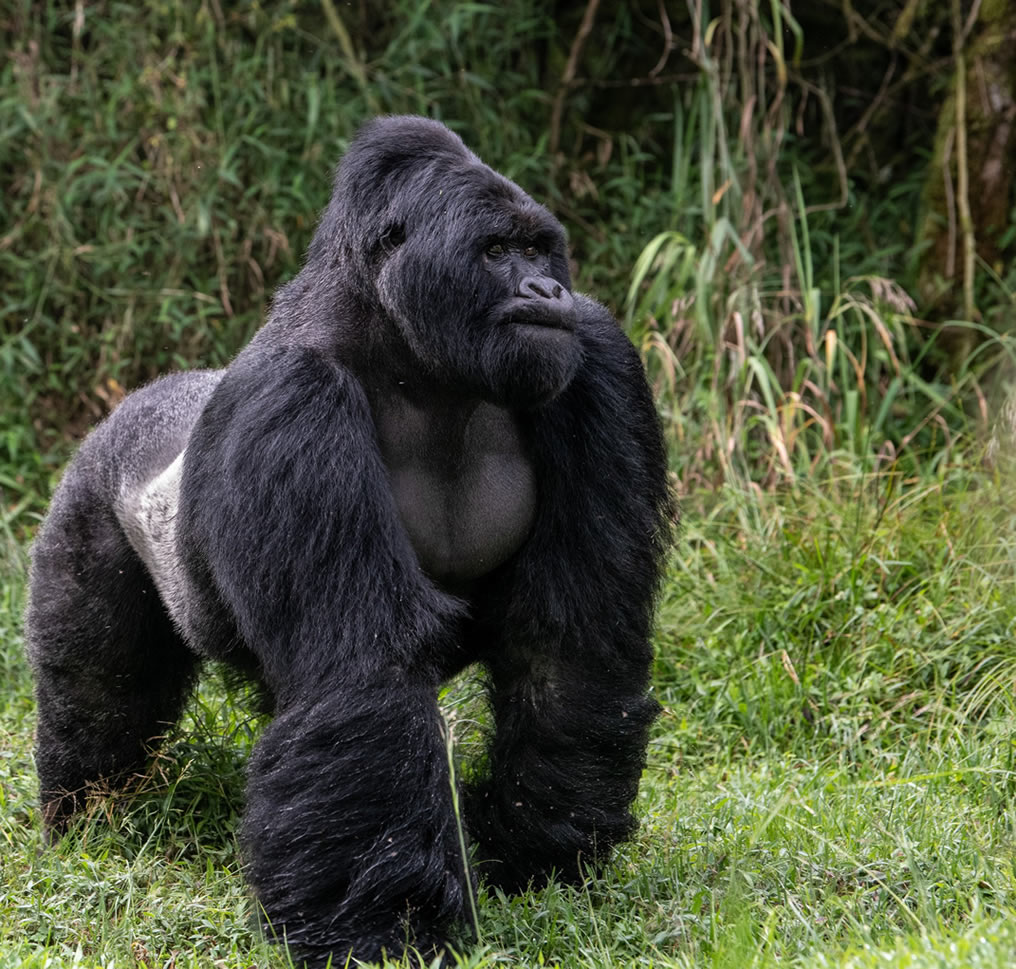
(831, 783)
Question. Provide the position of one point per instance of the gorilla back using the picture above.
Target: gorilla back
(433, 454)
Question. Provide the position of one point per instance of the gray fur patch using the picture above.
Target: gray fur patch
(148, 516)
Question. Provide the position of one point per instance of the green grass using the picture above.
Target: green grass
(831, 783)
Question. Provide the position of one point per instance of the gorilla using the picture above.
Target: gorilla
(433, 454)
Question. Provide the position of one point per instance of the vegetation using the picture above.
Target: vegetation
(832, 781)
(831, 784)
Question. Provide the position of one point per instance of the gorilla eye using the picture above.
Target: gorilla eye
(530, 252)
(495, 250)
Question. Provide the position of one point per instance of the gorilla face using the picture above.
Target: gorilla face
(469, 271)
(481, 296)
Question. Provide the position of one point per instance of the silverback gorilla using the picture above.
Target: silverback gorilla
(433, 454)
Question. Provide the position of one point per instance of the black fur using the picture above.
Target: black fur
(433, 454)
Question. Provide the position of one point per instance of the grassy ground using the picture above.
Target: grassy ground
(831, 783)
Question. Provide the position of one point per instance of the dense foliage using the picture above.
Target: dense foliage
(162, 165)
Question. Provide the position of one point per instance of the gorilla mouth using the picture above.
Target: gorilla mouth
(540, 315)
(548, 333)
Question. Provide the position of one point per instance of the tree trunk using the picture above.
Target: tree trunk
(983, 99)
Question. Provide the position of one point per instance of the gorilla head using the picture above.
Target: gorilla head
(466, 273)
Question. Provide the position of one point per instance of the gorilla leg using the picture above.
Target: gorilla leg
(564, 769)
(111, 672)
(349, 830)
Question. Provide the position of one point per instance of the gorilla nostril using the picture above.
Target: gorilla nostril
(534, 287)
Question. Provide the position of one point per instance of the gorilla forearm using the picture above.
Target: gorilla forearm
(569, 672)
(563, 773)
(349, 829)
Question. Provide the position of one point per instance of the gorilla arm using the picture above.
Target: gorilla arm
(286, 511)
(564, 628)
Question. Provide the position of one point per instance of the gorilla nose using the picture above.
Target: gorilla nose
(539, 287)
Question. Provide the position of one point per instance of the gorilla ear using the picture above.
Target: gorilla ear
(392, 237)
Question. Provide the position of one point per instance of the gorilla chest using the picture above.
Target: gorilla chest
(462, 483)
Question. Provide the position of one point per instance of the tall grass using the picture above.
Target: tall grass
(162, 167)
(779, 349)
